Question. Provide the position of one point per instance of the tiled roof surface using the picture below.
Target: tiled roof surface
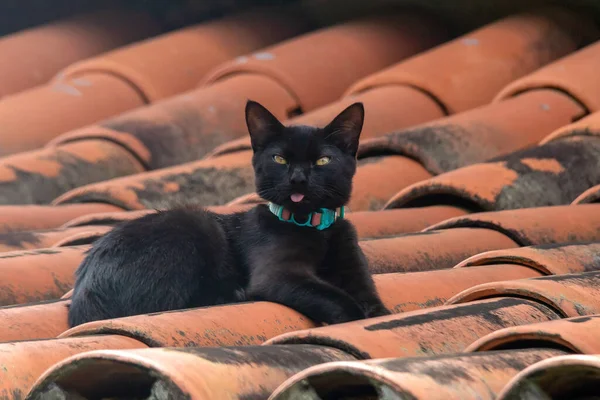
(476, 201)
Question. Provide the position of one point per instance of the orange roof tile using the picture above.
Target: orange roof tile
(485, 304)
(36, 54)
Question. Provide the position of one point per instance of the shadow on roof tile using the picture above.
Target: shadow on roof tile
(565, 377)
(130, 77)
(24, 362)
(239, 372)
(577, 335)
(452, 377)
(553, 259)
(536, 226)
(569, 294)
(592, 195)
(33, 56)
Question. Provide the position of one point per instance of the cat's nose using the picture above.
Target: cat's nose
(298, 177)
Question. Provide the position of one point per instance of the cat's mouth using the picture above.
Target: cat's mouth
(297, 197)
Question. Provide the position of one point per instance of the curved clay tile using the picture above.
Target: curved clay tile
(433, 250)
(468, 71)
(551, 174)
(24, 240)
(39, 176)
(569, 294)
(453, 377)
(42, 320)
(536, 226)
(387, 223)
(434, 331)
(592, 195)
(548, 259)
(575, 335)
(226, 325)
(479, 134)
(587, 126)
(26, 361)
(575, 75)
(36, 54)
(83, 237)
(130, 77)
(218, 373)
(205, 182)
(37, 275)
(564, 377)
(363, 46)
(185, 127)
(27, 218)
(428, 289)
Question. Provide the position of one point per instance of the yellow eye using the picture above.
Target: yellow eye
(323, 161)
(279, 159)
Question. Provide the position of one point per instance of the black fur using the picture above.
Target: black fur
(186, 258)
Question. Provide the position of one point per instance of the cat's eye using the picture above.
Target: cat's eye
(279, 160)
(323, 161)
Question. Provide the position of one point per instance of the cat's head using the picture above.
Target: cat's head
(304, 168)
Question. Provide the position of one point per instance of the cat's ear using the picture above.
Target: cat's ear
(262, 125)
(344, 131)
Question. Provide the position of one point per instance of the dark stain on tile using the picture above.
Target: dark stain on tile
(487, 311)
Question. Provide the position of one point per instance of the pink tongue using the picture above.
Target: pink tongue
(297, 197)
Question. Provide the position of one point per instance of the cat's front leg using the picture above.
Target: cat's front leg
(349, 269)
(307, 294)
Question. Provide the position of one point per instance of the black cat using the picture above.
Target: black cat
(296, 251)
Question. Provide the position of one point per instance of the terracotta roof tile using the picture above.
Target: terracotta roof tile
(25, 218)
(476, 308)
(536, 226)
(569, 294)
(452, 377)
(592, 195)
(551, 174)
(130, 77)
(37, 177)
(36, 54)
(559, 377)
(24, 362)
(485, 60)
(551, 259)
(248, 372)
(577, 335)
(41, 320)
(438, 330)
(482, 133)
(574, 75)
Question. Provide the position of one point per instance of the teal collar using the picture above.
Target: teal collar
(325, 217)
